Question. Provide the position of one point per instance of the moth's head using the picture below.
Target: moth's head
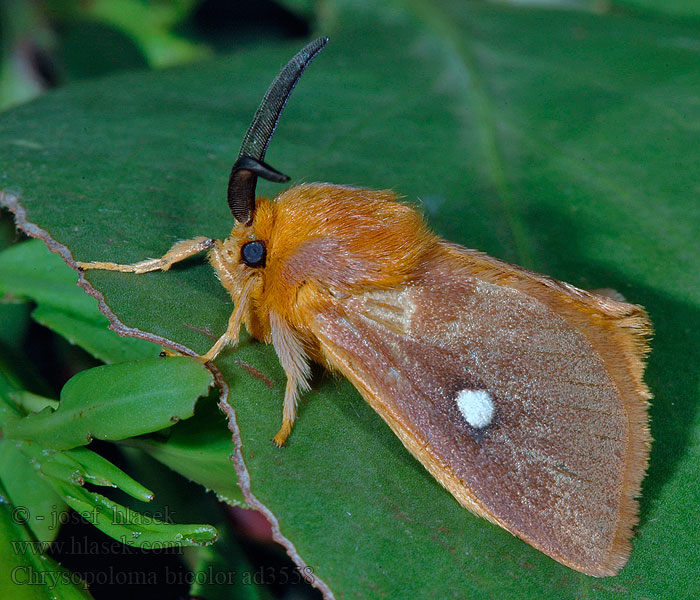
(248, 245)
(249, 238)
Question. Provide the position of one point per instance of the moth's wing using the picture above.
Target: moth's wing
(561, 458)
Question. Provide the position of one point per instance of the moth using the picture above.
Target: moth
(522, 395)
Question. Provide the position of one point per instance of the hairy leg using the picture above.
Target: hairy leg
(180, 251)
(233, 329)
(291, 353)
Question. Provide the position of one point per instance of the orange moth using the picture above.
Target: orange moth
(522, 395)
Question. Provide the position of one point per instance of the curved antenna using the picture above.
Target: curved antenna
(250, 165)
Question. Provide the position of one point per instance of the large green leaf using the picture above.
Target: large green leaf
(560, 140)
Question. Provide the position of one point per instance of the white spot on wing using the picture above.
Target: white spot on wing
(476, 407)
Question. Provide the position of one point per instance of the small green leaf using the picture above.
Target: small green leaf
(64, 472)
(130, 527)
(99, 471)
(67, 472)
(113, 402)
(80, 465)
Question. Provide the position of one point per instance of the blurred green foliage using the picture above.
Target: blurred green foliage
(48, 43)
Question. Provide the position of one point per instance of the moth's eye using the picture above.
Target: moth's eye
(253, 253)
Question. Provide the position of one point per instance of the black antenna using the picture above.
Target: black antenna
(250, 165)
